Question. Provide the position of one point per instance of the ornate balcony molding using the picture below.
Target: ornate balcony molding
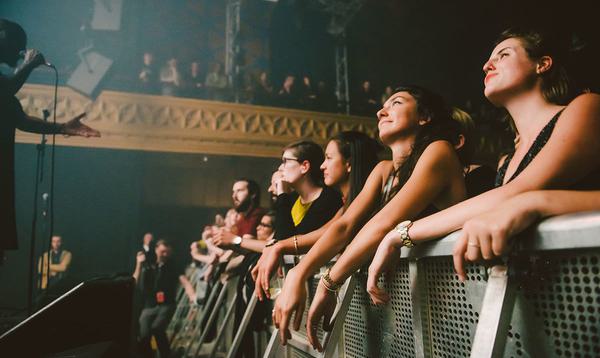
(169, 124)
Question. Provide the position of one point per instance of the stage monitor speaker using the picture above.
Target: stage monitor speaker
(107, 15)
(89, 73)
(92, 320)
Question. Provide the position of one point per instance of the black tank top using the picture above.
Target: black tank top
(539, 143)
(589, 182)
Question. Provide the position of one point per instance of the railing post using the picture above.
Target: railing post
(495, 315)
(419, 302)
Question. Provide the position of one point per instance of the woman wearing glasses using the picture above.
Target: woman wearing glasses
(349, 158)
(303, 202)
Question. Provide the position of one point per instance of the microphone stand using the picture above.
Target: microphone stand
(39, 178)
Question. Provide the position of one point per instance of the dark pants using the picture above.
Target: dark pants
(154, 322)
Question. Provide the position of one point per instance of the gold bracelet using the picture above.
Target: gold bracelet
(325, 284)
(296, 243)
(330, 284)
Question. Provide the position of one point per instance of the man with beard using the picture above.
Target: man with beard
(246, 201)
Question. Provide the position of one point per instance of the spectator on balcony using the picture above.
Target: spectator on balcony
(288, 94)
(325, 100)
(306, 94)
(148, 75)
(387, 93)
(216, 83)
(364, 101)
(349, 159)
(170, 78)
(194, 81)
(557, 148)
(263, 90)
(424, 175)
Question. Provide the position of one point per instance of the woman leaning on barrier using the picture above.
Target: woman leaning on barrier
(557, 149)
(493, 229)
(349, 158)
(424, 175)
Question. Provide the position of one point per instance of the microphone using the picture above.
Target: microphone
(47, 64)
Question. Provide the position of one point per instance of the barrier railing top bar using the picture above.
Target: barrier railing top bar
(573, 231)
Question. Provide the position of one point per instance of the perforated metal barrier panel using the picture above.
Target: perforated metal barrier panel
(557, 308)
(554, 312)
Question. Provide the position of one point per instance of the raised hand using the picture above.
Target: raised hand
(140, 258)
(33, 58)
(76, 128)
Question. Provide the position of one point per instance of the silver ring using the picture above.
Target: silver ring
(474, 244)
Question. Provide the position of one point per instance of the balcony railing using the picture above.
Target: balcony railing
(170, 124)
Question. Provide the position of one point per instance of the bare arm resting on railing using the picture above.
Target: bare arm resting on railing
(293, 294)
(437, 179)
(487, 236)
(570, 154)
(271, 256)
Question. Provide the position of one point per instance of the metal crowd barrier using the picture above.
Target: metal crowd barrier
(543, 300)
(193, 325)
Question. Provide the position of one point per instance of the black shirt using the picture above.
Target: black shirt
(10, 112)
(320, 212)
(155, 279)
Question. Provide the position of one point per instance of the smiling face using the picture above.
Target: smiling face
(336, 169)
(509, 71)
(399, 115)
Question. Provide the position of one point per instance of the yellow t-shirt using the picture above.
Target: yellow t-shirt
(299, 211)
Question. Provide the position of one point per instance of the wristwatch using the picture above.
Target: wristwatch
(237, 241)
(402, 229)
(270, 243)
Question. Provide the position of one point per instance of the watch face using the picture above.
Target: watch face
(237, 240)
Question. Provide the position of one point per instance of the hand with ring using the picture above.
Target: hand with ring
(487, 236)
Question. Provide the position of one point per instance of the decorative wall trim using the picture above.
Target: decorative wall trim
(170, 124)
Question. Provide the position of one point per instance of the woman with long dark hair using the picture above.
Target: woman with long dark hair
(424, 175)
(557, 145)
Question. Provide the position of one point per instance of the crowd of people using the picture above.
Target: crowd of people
(345, 201)
(298, 92)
